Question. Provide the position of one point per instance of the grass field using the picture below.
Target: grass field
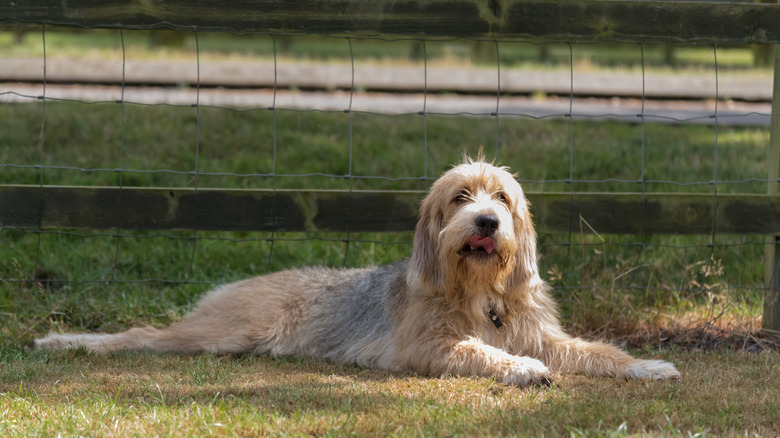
(74, 393)
(663, 296)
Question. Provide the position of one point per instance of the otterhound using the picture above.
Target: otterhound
(469, 301)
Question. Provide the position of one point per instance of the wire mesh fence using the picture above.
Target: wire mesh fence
(359, 133)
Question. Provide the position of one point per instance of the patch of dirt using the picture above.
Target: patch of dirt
(690, 333)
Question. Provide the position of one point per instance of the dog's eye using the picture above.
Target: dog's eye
(501, 197)
(462, 197)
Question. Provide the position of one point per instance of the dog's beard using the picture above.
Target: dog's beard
(479, 268)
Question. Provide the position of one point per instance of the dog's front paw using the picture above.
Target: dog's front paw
(527, 371)
(651, 369)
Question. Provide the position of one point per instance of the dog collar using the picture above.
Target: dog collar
(500, 326)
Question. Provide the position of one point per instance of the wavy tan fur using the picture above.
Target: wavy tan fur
(427, 314)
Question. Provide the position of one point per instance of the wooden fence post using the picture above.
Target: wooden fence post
(771, 319)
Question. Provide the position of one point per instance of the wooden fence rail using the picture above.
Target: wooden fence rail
(667, 22)
(161, 208)
(721, 23)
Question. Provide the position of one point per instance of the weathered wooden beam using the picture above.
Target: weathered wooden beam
(688, 22)
(657, 213)
(190, 209)
(262, 210)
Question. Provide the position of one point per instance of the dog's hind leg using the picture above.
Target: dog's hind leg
(237, 318)
(194, 334)
(133, 339)
(171, 340)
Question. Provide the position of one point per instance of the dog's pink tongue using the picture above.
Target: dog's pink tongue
(486, 243)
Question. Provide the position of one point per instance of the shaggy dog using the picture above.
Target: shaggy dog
(469, 302)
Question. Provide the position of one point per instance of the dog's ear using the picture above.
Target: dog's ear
(526, 267)
(425, 266)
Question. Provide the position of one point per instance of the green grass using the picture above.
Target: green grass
(608, 285)
(156, 44)
(307, 143)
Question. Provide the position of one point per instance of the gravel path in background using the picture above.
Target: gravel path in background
(392, 89)
(730, 113)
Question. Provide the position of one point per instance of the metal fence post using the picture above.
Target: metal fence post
(771, 319)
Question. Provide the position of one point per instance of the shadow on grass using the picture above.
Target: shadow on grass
(283, 385)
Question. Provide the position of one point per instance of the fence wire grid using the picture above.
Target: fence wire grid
(207, 257)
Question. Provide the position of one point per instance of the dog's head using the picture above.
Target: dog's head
(475, 233)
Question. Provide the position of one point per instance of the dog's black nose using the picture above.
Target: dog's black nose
(487, 224)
